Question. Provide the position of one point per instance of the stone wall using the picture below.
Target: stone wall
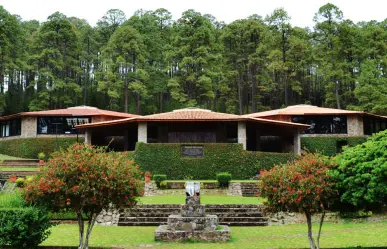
(235, 189)
(108, 218)
(150, 189)
(355, 126)
(29, 127)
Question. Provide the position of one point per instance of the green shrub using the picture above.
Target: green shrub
(242, 164)
(159, 178)
(361, 175)
(31, 147)
(41, 156)
(329, 146)
(163, 185)
(223, 179)
(24, 228)
(20, 182)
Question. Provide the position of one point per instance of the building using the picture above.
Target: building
(60, 122)
(194, 125)
(327, 121)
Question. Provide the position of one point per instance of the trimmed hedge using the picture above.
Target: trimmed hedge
(166, 159)
(328, 145)
(31, 147)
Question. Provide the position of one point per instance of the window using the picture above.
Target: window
(323, 124)
(10, 128)
(374, 125)
(60, 125)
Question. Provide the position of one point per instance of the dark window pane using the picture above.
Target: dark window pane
(60, 125)
(10, 127)
(323, 124)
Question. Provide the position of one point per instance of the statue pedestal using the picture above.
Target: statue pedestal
(192, 223)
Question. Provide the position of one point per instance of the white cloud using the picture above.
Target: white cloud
(301, 11)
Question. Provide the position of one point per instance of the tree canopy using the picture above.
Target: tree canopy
(149, 62)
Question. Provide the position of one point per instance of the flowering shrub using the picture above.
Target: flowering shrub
(300, 186)
(86, 180)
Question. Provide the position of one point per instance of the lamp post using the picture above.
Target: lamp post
(56, 133)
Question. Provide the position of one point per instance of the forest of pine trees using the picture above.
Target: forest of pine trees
(150, 63)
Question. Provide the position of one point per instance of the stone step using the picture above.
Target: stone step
(242, 219)
(149, 223)
(208, 210)
(135, 223)
(231, 210)
(164, 219)
(224, 214)
(144, 219)
(21, 161)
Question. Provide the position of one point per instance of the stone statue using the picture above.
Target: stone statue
(192, 192)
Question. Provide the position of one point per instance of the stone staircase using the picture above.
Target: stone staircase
(249, 189)
(23, 163)
(157, 214)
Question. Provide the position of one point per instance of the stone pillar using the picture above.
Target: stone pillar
(29, 127)
(355, 125)
(142, 132)
(297, 142)
(242, 133)
(88, 136)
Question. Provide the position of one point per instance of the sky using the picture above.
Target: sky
(300, 11)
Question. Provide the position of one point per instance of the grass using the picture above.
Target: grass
(290, 236)
(19, 169)
(214, 199)
(5, 157)
(11, 200)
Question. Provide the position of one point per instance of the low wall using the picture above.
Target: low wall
(108, 218)
(235, 189)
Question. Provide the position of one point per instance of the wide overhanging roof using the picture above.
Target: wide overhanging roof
(71, 111)
(305, 110)
(191, 115)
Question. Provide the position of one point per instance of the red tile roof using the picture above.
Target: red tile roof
(304, 110)
(191, 115)
(73, 111)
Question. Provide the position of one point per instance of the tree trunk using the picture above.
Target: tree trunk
(253, 87)
(337, 94)
(319, 230)
(89, 229)
(240, 94)
(126, 93)
(310, 233)
(81, 226)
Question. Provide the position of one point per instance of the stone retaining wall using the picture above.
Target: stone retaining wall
(235, 189)
(108, 218)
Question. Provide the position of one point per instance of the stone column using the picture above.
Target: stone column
(142, 132)
(29, 127)
(88, 136)
(242, 133)
(296, 142)
(355, 125)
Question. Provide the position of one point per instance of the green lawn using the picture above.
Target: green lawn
(289, 236)
(205, 199)
(18, 169)
(5, 157)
